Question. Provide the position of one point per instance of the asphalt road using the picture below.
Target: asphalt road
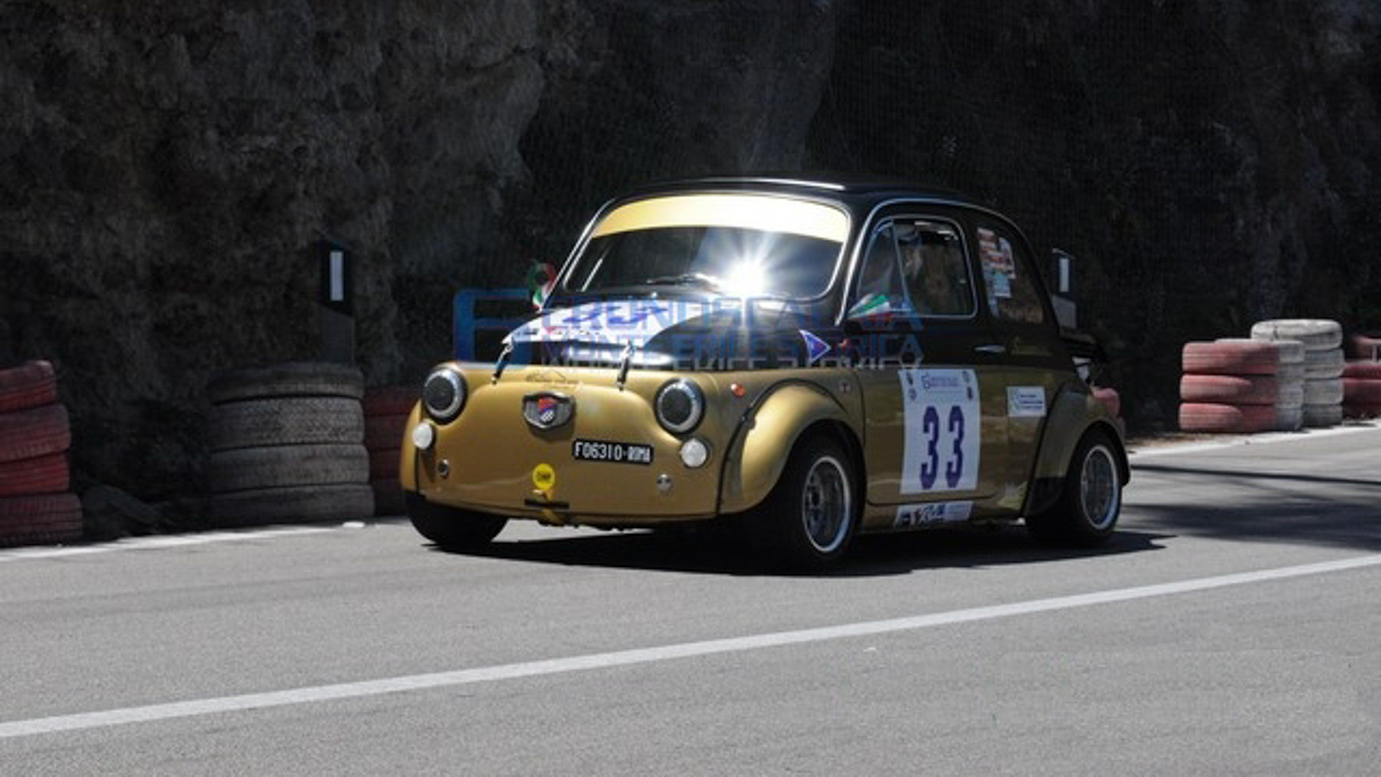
(1232, 627)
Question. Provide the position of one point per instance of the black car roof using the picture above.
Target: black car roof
(858, 192)
(845, 185)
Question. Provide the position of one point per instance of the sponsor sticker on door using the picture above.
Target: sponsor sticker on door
(1025, 402)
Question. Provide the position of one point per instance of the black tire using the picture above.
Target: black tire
(38, 431)
(31, 384)
(257, 423)
(293, 504)
(808, 521)
(41, 519)
(288, 379)
(40, 475)
(450, 527)
(246, 469)
(1086, 514)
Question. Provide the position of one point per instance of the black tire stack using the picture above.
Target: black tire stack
(287, 445)
(386, 410)
(1323, 364)
(36, 507)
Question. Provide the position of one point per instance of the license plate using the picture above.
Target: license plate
(619, 452)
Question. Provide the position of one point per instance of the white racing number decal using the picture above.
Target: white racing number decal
(943, 425)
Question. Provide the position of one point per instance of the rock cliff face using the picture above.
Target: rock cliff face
(1211, 163)
(167, 168)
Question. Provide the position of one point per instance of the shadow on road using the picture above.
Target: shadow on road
(1236, 503)
(1275, 497)
(725, 552)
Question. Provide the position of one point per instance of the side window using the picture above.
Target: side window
(1013, 295)
(935, 269)
(880, 290)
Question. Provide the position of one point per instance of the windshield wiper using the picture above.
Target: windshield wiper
(686, 279)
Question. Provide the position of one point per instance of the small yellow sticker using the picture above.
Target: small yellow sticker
(543, 477)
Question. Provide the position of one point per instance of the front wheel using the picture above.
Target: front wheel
(1088, 507)
(809, 518)
(450, 527)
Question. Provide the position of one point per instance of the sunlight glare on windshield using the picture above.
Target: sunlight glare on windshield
(746, 278)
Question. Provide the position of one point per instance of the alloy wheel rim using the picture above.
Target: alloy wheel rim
(1098, 491)
(826, 505)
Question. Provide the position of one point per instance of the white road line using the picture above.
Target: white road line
(321, 693)
(154, 543)
(1266, 438)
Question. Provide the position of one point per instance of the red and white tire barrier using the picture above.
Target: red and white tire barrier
(1230, 386)
(1229, 357)
(35, 505)
(1365, 346)
(1224, 418)
(1109, 399)
(1321, 341)
(1362, 389)
(386, 410)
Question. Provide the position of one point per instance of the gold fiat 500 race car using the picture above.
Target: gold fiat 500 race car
(813, 358)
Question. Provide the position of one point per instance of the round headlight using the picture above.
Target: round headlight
(443, 394)
(423, 435)
(694, 453)
(680, 405)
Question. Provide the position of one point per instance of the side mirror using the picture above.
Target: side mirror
(1066, 311)
(1063, 270)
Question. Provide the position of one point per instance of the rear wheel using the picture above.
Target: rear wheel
(451, 527)
(1086, 513)
(809, 518)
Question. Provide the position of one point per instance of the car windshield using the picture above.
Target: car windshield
(735, 244)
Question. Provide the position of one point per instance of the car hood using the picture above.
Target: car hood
(683, 333)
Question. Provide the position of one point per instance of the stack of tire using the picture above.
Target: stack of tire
(1365, 346)
(1110, 399)
(386, 410)
(287, 445)
(1229, 387)
(1289, 380)
(1323, 364)
(36, 507)
(1362, 377)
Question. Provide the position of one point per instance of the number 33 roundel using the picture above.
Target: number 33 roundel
(942, 430)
